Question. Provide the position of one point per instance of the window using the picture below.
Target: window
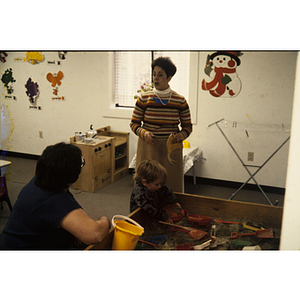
(133, 69)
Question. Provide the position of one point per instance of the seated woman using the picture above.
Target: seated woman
(46, 215)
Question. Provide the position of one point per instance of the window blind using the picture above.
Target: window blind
(180, 81)
(133, 69)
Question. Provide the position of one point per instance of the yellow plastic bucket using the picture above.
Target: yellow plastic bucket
(126, 235)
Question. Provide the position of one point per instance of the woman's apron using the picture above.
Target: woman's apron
(158, 152)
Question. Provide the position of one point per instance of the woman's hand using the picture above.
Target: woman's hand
(148, 136)
(177, 138)
(87, 230)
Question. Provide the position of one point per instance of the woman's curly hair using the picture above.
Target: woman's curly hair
(58, 167)
(166, 64)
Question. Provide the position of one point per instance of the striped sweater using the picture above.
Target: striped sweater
(150, 114)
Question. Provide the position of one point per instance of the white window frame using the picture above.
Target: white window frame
(111, 111)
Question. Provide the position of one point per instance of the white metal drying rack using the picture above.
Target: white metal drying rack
(246, 166)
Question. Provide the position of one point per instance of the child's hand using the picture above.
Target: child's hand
(170, 221)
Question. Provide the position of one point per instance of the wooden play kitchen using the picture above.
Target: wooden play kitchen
(106, 159)
(120, 151)
(215, 208)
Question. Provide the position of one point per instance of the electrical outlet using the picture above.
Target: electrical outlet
(250, 156)
(41, 134)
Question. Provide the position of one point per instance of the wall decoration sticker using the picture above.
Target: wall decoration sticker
(8, 80)
(62, 54)
(221, 68)
(55, 80)
(34, 57)
(32, 92)
(3, 55)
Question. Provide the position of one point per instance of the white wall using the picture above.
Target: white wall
(84, 87)
(266, 96)
(290, 238)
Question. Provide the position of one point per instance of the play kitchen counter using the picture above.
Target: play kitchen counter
(269, 216)
(97, 172)
(106, 159)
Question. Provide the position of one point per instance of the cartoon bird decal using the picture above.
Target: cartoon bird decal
(62, 54)
(34, 57)
(55, 79)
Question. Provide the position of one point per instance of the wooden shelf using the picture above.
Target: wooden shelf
(120, 141)
(120, 157)
(120, 170)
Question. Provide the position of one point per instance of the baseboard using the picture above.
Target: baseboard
(187, 178)
(4, 153)
(235, 185)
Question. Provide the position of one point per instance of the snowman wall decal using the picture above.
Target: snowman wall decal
(221, 68)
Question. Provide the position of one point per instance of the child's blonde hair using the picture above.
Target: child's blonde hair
(150, 170)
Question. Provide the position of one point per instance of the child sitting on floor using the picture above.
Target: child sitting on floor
(150, 193)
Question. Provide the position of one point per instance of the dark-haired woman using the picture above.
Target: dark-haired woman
(46, 215)
(157, 114)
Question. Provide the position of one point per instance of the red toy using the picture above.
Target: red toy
(189, 246)
(198, 220)
(175, 211)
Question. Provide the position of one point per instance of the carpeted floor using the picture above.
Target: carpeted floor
(114, 198)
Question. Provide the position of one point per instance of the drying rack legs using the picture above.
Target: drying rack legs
(246, 166)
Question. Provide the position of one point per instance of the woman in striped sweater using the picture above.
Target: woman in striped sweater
(157, 114)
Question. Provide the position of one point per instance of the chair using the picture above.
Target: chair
(4, 193)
